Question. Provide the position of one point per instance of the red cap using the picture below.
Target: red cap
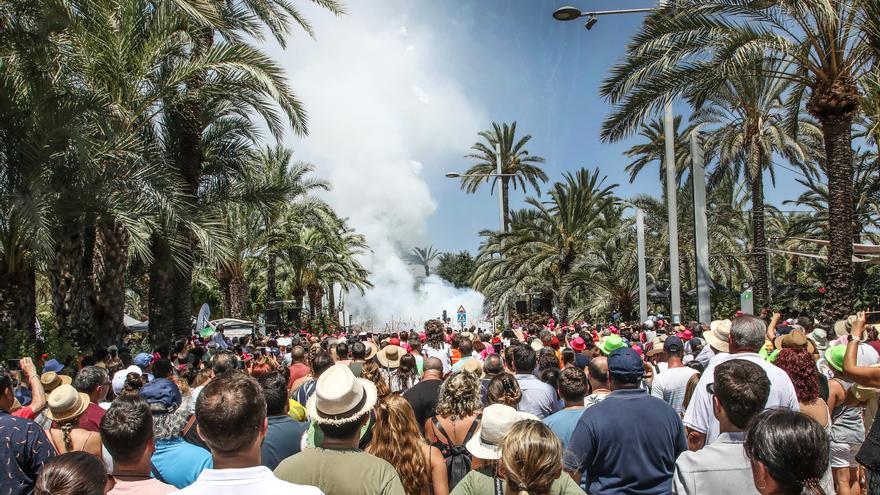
(578, 344)
(393, 341)
(496, 340)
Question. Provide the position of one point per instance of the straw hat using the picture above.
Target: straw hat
(65, 403)
(390, 355)
(340, 397)
(371, 350)
(496, 422)
(473, 365)
(796, 339)
(718, 335)
(51, 380)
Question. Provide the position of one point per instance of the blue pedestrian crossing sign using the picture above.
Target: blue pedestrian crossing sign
(461, 315)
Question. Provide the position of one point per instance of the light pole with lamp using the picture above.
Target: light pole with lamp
(569, 13)
(499, 173)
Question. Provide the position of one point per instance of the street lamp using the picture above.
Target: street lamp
(569, 13)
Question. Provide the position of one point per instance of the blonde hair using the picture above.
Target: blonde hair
(531, 456)
(397, 439)
(459, 395)
(371, 372)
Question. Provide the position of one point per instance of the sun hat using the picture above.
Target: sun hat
(496, 422)
(143, 359)
(52, 380)
(834, 356)
(65, 403)
(719, 334)
(657, 345)
(820, 337)
(843, 327)
(371, 351)
(340, 397)
(118, 382)
(611, 343)
(473, 365)
(52, 365)
(685, 334)
(394, 341)
(578, 344)
(796, 339)
(162, 395)
(390, 355)
(625, 362)
(537, 345)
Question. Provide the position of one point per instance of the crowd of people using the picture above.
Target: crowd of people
(745, 405)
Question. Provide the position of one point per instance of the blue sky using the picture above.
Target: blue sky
(476, 61)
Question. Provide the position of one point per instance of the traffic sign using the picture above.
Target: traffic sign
(461, 315)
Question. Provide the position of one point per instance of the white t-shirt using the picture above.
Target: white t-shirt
(258, 479)
(670, 385)
(444, 354)
(700, 415)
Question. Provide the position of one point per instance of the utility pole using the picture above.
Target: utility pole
(672, 213)
(701, 230)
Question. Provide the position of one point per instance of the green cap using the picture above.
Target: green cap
(611, 343)
(834, 356)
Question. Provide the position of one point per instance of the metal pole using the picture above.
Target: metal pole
(643, 278)
(672, 207)
(701, 230)
(501, 209)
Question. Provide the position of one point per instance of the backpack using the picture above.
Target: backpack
(458, 459)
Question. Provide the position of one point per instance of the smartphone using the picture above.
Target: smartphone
(872, 317)
(13, 364)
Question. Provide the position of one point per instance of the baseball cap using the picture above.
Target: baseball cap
(162, 393)
(625, 362)
(673, 344)
(118, 381)
(143, 359)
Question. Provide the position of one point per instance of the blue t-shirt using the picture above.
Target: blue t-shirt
(282, 440)
(179, 462)
(627, 443)
(563, 422)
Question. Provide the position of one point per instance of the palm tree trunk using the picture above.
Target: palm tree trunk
(759, 238)
(18, 307)
(271, 269)
(237, 289)
(331, 303)
(111, 287)
(427, 267)
(505, 201)
(298, 295)
(161, 299)
(84, 298)
(837, 131)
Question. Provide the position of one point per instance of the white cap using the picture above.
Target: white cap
(119, 378)
(496, 422)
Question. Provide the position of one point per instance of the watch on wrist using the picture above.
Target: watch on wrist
(849, 338)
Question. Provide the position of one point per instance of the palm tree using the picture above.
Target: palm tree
(692, 47)
(424, 256)
(515, 160)
(744, 119)
(548, 239)
(653, 149)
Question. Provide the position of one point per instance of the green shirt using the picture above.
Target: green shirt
(476, 483)
(341, 472)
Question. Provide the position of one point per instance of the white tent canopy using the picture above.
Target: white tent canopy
(134, 325)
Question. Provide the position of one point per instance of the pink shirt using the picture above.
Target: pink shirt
(141, 487)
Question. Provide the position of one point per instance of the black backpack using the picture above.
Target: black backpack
(458, 459)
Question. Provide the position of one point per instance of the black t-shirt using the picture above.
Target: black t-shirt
(423, 399)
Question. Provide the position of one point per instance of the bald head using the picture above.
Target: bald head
(597, 371)
(493, 365)
(298, 354)
(433, 366)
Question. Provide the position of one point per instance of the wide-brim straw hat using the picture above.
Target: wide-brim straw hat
(496, 421)
(340, 397)
(371, 350)
(65, 404)
(390, 355)
(51, 380)
(719, 334)
(796, 339)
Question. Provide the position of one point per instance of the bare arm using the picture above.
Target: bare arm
(863, 375)
(695, 439)
(439, 476)
(38, 395)
(771, 327)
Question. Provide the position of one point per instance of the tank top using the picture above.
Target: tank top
(847, 425)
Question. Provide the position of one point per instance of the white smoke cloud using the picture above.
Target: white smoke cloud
(385, 113)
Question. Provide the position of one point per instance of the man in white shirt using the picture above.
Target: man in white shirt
(232, 420)
(670, 384)
(747, 335)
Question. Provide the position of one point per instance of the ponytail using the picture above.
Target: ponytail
(66, 428)
(813, 487)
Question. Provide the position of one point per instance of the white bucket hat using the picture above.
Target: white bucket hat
(718, 335)
(340, 397)
(497, 421)
(118, 382)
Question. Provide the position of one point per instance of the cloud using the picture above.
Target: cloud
(385, 113)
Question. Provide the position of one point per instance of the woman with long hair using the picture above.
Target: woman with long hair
(405, 376)
(504, 389)
(436, 346)
(397, 439)
(73, 473)
(457, 418)
(530, 462)
(66, 405)
(789, 452)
